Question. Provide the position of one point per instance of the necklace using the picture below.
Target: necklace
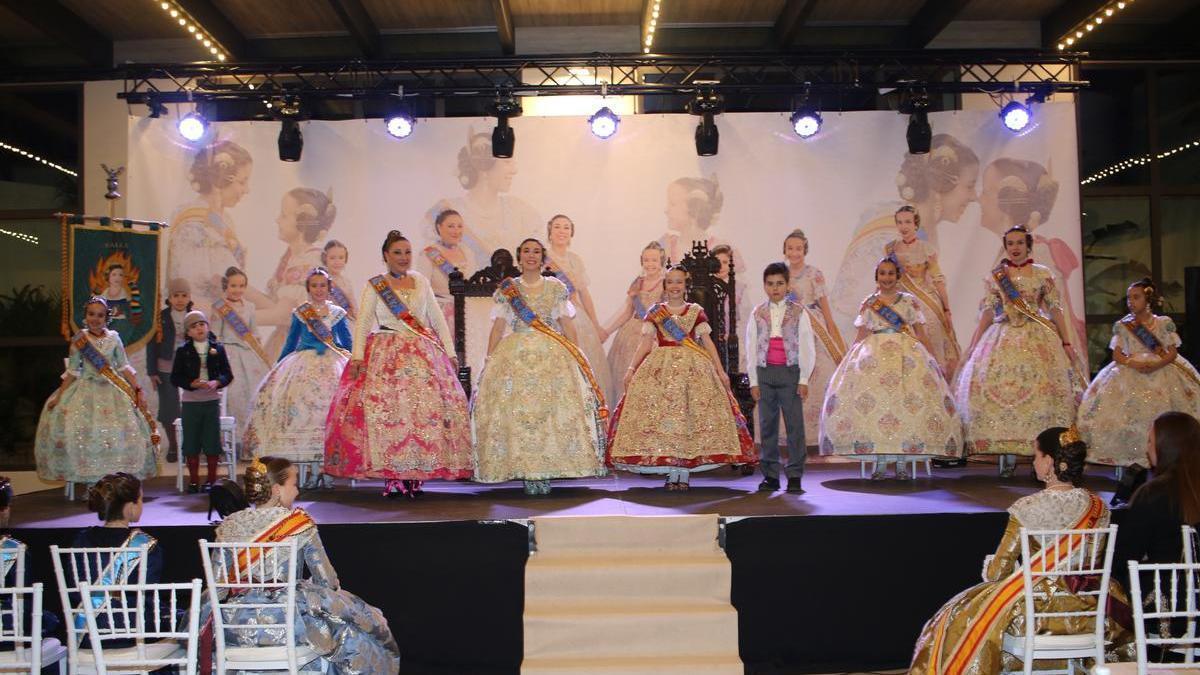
(397, 276)
(908, 242)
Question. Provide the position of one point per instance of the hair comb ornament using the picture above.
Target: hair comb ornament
(1071, 435)
(257, 467)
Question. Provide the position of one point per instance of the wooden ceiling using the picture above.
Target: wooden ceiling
(83, 32)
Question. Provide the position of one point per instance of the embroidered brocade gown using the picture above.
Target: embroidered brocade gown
(586, 331)
(807, 288)
(246, 365)
(919, 262)
(404, 417)
(95, 429)
(625, 342)
(676, 412)
(1121, 402)
(888, 397)
(351, 637)
(534, 415)
(292, 402)
(1045, 510)
(1018, 381)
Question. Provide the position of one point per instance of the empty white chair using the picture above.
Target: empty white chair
(97, 566)
(162, 621)
(263, 577)
(28, 653)
(12, 558)
(1189, 543)
(1169, 596)
(1083, 557)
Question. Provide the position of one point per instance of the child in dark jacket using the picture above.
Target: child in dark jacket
(201, 370)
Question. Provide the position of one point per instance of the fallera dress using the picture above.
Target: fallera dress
(807, 287)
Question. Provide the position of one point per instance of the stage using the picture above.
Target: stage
(836, 579)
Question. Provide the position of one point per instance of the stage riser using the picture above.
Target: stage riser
(814, 594)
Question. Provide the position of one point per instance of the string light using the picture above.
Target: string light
(193, 27)
(651, 26)
(1141, 160)
(27, 238)
(1088, 26)
(29, 155)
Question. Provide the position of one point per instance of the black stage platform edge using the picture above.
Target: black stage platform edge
(814, 594)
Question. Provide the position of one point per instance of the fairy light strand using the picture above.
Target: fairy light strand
(22, 236)
(651, 26)
(1140, 160)
(1088, 26)
(188, 24)
(36, 158)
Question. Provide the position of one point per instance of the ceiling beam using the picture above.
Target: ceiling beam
(66, 28)
(219, 26)
(1066, 16)
(791, 21)
(929, 21)
(361, 26)
(504, 26)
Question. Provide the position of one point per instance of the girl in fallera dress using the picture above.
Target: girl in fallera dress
(538, 412)
(965, 636)
(349, 636)
(806, 286)
(887, 401)
(678, 415)
(568, 268)
(922, 277)
(96, 421)
(1147, 377)
(399, 412)
(116, 499)
(334, 258)
(645, 290)
(445, 255)
(1018, 376)
(288, 416)
(234, 324)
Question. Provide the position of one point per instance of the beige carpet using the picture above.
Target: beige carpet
(631, 595)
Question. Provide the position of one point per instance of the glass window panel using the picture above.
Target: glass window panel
(1180, 247)
(1178, 125)
(1113, 124)
(1116, 250)
(1099, 334)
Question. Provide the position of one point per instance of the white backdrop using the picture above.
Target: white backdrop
(616, 190)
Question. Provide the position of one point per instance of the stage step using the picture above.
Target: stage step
(680, 665)
(622, 594)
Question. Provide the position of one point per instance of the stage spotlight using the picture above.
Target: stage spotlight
(291, 141)
(400, 124)
(503, 139)
(604, 123)
(192, 126)
(806, 122)
(707, 104)
(919, 134)
(1016, 116)
(157, 108)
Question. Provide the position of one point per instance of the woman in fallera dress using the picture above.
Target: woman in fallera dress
(958, 640)
(96, 422)
(922, 277)
(645, 290)
(1018, 376)
(1147, 377)
(234, 325)
(887, 401)
(334, 258)
(539, 412)
(292, 402)
(806, 286)
(568, 268)
(349, 636)
(399, 412)
(445, 255)
(678, 415)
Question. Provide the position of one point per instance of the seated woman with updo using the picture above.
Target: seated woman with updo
(959, 639)
(116, 499)
(349, 635)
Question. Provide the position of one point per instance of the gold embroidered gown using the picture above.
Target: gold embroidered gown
(1018, 380)
(1045, 510)
(676, 413)
(919, 263)
(625, 342)
(1121, 402)
(534, 416)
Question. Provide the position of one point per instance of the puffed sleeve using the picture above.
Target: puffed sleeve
(562, 305)
(1050, 297)
(913, 313)
(933, 269)
(74, 363)
(702, 326)
(991, 304)
(818, 283)
(863, 320)
(1116, 336)
(1004, 560)
(366, 321)
(1168, 334)
(119, 360)
(648, 327)
(501, 310)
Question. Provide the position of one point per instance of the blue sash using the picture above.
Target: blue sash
(562, 276)
(889, 315)
(9, 548)
(439, 261)
(399, 310)
(1144, 335)
(339, 296)
(120, 567)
